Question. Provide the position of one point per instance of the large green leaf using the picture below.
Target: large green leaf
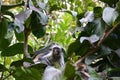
(40, 32)
(42, 17)
(109, 15)
(38, 28)
(21, 73)
(5, 35)
(15, 49)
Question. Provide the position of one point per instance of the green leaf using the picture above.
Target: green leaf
(15, 49)
(104, 51)
(41, 17)
(110, 2)
(38, 25)
(3, 28)
(19, 36)
(113, 40)
(98, 12)
(2, 68)
(99, 27)
(92, 39)
(93, 74)
(21, 73)
(74, 47)
(19, 63)
(5, 35)
(40, 32)
(69, 71)
(109, 15)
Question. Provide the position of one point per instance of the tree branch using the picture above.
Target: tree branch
(92, 51)
(26, 34)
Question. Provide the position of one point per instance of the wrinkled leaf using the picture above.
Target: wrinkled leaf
(89, 17)
(43, 18)
(37, 28)
(20, 20)
(92, 39)
(109, 15)
(15, 49)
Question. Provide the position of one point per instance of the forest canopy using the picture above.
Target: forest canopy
(88, 30)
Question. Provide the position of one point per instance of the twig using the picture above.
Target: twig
(26, 34)
(10, 73)
(3, 70)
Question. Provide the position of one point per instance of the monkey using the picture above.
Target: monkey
(53, 57)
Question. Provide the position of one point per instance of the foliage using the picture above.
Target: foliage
(88, 30)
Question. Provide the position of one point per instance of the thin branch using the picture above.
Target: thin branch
(26, 34)
(3, 70)
(91, 51)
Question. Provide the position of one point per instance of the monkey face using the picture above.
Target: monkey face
(56, 53)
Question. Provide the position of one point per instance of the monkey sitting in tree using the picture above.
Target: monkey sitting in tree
(53, 57)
